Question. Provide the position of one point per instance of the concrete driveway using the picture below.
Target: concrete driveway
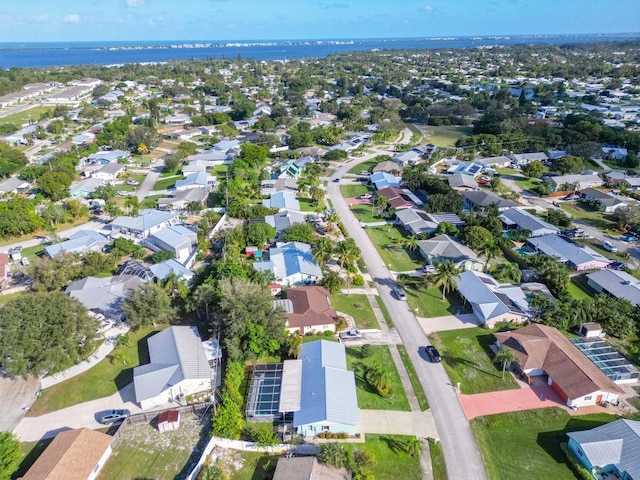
(449, 322)
(390, 422)
(16, 394)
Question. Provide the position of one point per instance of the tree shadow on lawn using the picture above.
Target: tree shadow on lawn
(265, 468)
(550, 441)
(395, 445)
(459, 361)
(125, 377)
(31, 457)
(359, 370)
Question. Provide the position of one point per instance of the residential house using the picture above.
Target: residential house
(267, 187)
(460, 181)
(416, 221)
(283, 200)
(109, 172)
(445, 248)
(399, 198)
(555, 154)
(573, 182)
(171, 266)
(212, 157)
(615, 177)
(494, 162)
(307, 468)
(294, 168)
(104, 295)
(85, 188)
(85, 138)
(14, 185)
(79, 242)
(72, 455)
(608, 203)
(284, 219)
(195, 180)
(292, 264)
(107, 156)
(230, 147)
(491, 301)
(521, 220)
(521, 159)
(485, 198)
(177, 367)
(177, 119)
(543, 350)
(387, 167)
(179, 199)
(615, 283)
(632, 183)
(144, 224)
(308, 310)
(383, 180)
(575, 256)
(415, 155)
(610, 451)
(326, 398)
(175, 239)
(195, 166)
(615, 153)
(473, 169)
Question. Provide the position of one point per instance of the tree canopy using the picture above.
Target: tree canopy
(148, 306)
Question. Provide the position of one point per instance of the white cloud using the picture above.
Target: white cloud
(71, 18)
(134, 3)
(428, 8)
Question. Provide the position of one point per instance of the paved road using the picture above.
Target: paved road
(150, 180)
(461, 452)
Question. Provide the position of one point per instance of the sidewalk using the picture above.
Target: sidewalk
(100, 354)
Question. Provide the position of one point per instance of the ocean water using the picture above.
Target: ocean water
(114, 53)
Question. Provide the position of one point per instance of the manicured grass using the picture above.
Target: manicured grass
(446, 136)
(308, 205)
(396, 257)
(252, 465)
(21, 118)
(437, 460)
(33, 251)
(166, 183)
(104, 379)
(365, 166)
(508, 171)
(367, 396)
(130, 188)
(220, 171)
(413, 377)
(578, 288)
(357, 305)
(152, 201)
(29, 453)
(528, 183)
(427, 301)
(594, 218)
(393, 461)
(313, 338)
(4, 298)
(171, 173)
(467, 358)
(597, 246)
(351, 191)
(385, 312)
(525, 445)
(365, 213)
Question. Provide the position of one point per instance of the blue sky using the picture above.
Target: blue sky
(92, 20)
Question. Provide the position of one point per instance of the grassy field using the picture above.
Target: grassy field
(525, 445)
(398, 258)
(166, 183)
(446, 136)
(308, 205)
(365, 166)
(220, 171)
(147, 453)
(427, 301)
(130, 188)
(385, 312)
(413, 377)
(528, 183)
(594, 218)
(313, 338)
(354, 190)
(29, 453)
(597, 246)
(23, 117)
(364, 213)
(467, 358)
(104, 379)
(367, 396)
(578, 288)
(393, 461)
(358, 306)
(437, 460)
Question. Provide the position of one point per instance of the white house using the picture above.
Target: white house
(292, 264)
(143, 225)
(109, 172)
(516, 218)
(176, 239)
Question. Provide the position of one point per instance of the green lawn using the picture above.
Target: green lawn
(351, 191)
(578, 288)
(446, 136)
(220, 171)
(357, 305)
(34, 250)
(308, 205)
(4, 298)
(528, 183)
(365, 213)
(151, 201)
(23, 117)
(385, 312)
(365, 166)
(367, 396)
(427, 302)
(171, 173)
(249, 465)
(393, 461)
(597, 246)
(29, 453)
(319, 336)
(413, 377)
(102, 380)
(526, 445)
(437, 460)
(166, 183)
(130, 188)
(467, 358)
(594, 218)
(398, 258)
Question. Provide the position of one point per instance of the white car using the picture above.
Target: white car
(429, 269)
(609, 247)
(365, 172)
(134, 183)
(354, 333)
(366, 196)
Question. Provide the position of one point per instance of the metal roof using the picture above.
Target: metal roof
(291, 387)
(565, 250)
(618, 284)
(283, 199)
(527, 221)
(78, 242)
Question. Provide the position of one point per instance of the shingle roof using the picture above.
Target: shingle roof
(146, 220)
(290, 259)
(566, 251)
(284, 219)
(458, 180)
(104, 294)
(175, 236)
(484, 198)
(540, 346)
(618, 283)
(78, 242)
(526, 221)
(310, 307)
(283, 199)
(617, 443)
(444, 246)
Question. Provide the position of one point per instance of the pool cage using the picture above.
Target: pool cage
(263, 399)
(607, 359)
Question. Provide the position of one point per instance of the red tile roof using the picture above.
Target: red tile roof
(311, 307)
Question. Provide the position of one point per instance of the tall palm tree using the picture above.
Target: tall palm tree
(323, 250)
(348, 254)
(410, 243)
(507, 272)
(489, 251)
(445, 277)
(379, 379)
(332, 218)
(506, 356)
(332, 281)
(316, 193)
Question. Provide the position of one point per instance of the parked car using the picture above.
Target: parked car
(434, 355)
(399, 293)
(366, 196)
(24, 261)
(609, 247)
(428, 269)
(365, 172)
(336, 180)
(134, 183)
(113, 416)
(354, 333)
(571, 197)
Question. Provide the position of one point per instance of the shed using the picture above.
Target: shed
(169, 420)
(591, 330)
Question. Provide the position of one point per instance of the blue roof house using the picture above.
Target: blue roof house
(283, 200)
(80, 242)
(328, 400)
(383, 180)
(292, 264)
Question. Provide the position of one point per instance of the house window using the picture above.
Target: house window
(580, 452)
(588, 398)
(325, 428)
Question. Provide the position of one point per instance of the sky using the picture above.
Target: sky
(136, 20)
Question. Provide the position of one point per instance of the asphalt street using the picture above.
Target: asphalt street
(461, 452)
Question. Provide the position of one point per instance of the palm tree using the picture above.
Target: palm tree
(203, 297)
(332, 218)
(507, 272)
(413, 446)
(506, 356)
(410, 243)
(379, 379)
(332, 281)
(348, 254)
(131, 203)
(175, 286)
(316, 193)
(489, 250)
(323, 250)
(333, 454)
(445, 277)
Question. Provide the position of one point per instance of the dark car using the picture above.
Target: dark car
(434, 355)
(113, 416)
(336, 180)
(399, 293)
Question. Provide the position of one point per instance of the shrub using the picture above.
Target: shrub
(366, 351)
(582, 472)
(333, 454)
(357, 280)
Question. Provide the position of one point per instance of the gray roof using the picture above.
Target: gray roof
(488, 161)
(444, 246)
(164, 269)
(87, 185)
(176, 236)
(484, 198)
(565, 250)
(110, 156)
(291, 386)
(418, 221)
(146, 220)
(78, 242)
(284, 219)
(541, 156)
(182, 197)
(616, 443)
(526, 221)
(328, 388)
(618, 283)
(458, 180)
(12, 184)
(290, 259)
(111, 168)
(283, 199)
(175, 354)
(196, 179)
(267, 187)
(580, 179)
(104, 294)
